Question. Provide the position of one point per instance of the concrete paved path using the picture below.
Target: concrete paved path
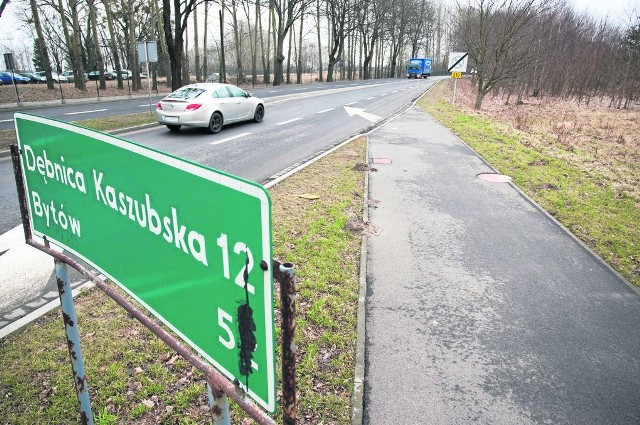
(480, 307)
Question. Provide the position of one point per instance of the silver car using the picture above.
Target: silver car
(209, 105)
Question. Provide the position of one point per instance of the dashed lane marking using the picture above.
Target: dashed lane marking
(86, 112)
(237, 136)
(289, 121)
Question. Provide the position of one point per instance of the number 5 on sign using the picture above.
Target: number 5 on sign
(456, 74)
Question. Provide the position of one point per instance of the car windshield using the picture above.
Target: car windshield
(414, 65)
(186, 93)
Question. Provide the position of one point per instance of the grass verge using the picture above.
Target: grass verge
(135, 379)
(590, 196)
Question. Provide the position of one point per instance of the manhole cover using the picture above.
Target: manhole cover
(495, 178)
(381, 160)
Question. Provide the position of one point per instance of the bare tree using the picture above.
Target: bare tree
(196, 44)
(174, 34)
(93, 19)
(113, 43)
(286, 12)
(42, 45)
(337, 13)
(317, 16)
(369, 22)
(492, 32)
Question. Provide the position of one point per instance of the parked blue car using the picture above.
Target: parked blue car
(5, 77)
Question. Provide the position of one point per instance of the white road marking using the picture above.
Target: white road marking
(275, 91)
(6, 120)
(237, 136)
(384, 94)
(369, 98)
(360, 112)
(350, 103)
(325, 110)
(86, 112)
(289, 121)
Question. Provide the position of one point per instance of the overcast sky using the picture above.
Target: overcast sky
(618, 11)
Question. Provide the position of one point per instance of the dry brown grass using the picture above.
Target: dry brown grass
(594, 137)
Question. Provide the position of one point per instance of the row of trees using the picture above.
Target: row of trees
(521, 47)
(532, 47)
(359, 39)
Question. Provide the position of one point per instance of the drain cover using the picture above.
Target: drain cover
(495, 178)
(381, 160)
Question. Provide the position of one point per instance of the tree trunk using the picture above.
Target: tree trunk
(76, 46)
(320, 78)
(100, 59)
(254, 53)
(132, 42)
(205, 65)
(299, 55)
(291, 43)
(196, 44)
(237, 39)
(113, 44)
(186, 78)
(175, 36)
(278, 63)
(479, 98)
(223, 66)
(42, 45)
(266, 55)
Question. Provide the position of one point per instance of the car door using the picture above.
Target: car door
(243, 103)
(226, 104)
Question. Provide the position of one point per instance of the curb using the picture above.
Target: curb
(361, 327)
(36, 314)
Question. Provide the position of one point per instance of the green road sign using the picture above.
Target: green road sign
(180, 238)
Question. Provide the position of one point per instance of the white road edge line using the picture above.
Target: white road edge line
(86, 112)
(237, 136)
(325, 110)
(289, 121)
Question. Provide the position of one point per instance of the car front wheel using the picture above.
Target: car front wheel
(215, 123)
(259, 114)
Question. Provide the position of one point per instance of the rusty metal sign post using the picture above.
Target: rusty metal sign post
(219, 386)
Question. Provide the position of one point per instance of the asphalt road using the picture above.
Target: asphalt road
(75, 110)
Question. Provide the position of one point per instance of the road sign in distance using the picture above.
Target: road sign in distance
(184, 240)
(458, 61)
